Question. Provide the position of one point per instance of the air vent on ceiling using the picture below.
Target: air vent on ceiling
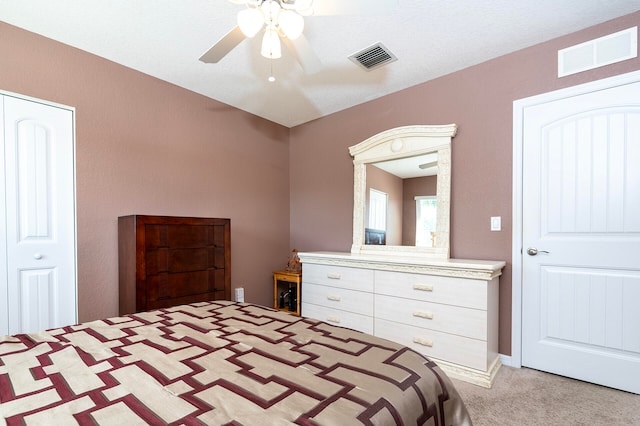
(373, 57)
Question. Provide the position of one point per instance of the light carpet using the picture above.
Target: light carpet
(523, 396)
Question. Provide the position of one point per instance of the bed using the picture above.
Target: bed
(218, 363)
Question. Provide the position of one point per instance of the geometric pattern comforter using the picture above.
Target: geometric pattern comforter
(219, 363)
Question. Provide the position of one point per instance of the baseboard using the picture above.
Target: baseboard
(506, 360)
(471, 375)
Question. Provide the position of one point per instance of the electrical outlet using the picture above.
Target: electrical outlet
(239, 293)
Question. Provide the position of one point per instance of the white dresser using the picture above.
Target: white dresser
(444, 309)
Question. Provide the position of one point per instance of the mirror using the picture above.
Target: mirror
(386, 157)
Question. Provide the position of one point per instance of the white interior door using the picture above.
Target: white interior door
(38, 194)
(581, 212)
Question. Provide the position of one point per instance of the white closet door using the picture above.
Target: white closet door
(39, 207)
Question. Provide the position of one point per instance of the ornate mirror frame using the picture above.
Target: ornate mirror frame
(397, 143)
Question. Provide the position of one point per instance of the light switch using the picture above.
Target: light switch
(496, 223)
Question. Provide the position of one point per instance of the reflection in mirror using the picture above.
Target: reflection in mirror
(406, 215)
(426, 222)
(408, 171)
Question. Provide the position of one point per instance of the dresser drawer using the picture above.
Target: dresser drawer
(339, 298)
(338, 276)
(436, 316)
(334, 316)
(435, 344)
(432, 288)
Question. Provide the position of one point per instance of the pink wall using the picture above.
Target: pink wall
(144, 146)
(480, 101)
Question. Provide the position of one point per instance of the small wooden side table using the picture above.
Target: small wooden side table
(286, 291)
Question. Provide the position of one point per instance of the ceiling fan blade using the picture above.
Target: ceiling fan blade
(304, 54)
(353, 7)
(223, 46)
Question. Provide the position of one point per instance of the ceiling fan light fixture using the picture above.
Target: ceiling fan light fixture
(250, 21)
(291, 24)
(271, 48)
(270, 10)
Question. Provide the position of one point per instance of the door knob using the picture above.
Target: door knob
(532, 251)
(37, 256)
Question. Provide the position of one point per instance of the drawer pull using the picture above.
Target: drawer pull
(333, 276)
(334, 319)
(422, 314)
(334, 298)
(423, 342)
(423, 287)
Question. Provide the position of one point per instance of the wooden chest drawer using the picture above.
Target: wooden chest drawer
(334, 316)
(432, 288)
(338, 298)
(338, 276)
(440, 317)
(168, 260)
(435, 344)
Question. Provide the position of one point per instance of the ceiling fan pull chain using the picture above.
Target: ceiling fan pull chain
(271, 77)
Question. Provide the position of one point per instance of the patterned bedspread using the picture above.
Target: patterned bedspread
(219, 363)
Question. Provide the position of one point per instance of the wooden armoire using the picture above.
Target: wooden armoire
(167, 261)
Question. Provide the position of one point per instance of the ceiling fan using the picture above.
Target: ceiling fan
(283, 20)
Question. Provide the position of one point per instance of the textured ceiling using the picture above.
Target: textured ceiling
(165, 38)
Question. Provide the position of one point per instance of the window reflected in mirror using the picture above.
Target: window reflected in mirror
(426, 218)
(378, 209)
(376, 229)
